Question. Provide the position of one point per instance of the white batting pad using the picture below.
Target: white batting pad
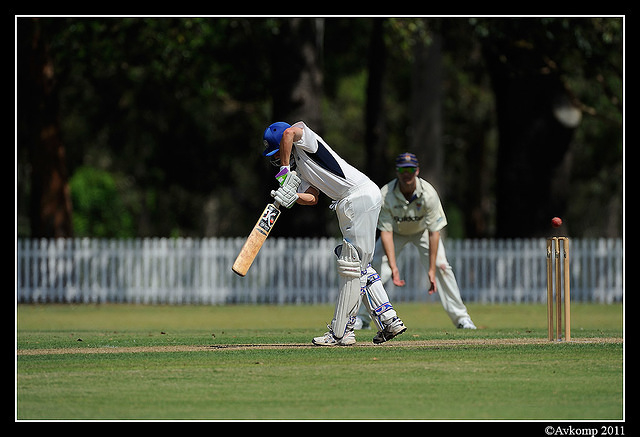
(376, 299)
(349, 292)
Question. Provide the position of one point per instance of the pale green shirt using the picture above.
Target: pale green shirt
(423, 212)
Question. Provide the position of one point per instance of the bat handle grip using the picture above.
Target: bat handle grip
(276, 204)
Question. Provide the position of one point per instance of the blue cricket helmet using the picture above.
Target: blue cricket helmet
(272, 137)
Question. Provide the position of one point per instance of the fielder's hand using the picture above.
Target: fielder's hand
(395, 277)
(432, 282)
(285, 196)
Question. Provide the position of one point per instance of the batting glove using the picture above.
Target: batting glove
(288, 178)
(285, 196)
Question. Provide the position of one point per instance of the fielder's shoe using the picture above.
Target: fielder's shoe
(391, 329)
(361, 324)
(466, 323)
(328, 339)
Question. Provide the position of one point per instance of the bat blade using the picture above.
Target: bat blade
(256, 239)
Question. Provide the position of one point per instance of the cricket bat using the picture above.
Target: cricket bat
(256, 239)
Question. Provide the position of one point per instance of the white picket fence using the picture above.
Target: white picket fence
(301, 271)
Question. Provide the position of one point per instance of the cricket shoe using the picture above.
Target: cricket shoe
(328, 339)
(391, 329)
(361, 324)
(466, 323)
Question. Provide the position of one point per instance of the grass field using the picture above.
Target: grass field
(135, 362)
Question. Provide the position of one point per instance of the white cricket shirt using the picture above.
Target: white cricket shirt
(423, 212)
(319, 166)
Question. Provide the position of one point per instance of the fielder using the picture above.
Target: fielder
(412, 213)
(309, 166)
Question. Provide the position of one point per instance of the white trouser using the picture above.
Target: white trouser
(447, 286)
(358, 218)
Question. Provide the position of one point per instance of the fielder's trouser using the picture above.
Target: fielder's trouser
(447, 286)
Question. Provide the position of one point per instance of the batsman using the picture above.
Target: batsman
(308, 166)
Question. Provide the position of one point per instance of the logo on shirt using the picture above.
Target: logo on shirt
(407, 219)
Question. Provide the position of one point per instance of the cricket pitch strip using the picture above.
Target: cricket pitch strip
(391, 344)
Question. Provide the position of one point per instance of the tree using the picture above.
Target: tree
(536, 68)
(173, 109)
(533, 143)
(295, 55)
(38, 118)
(375, 139)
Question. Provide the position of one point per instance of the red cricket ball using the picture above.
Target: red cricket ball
(556, 222)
